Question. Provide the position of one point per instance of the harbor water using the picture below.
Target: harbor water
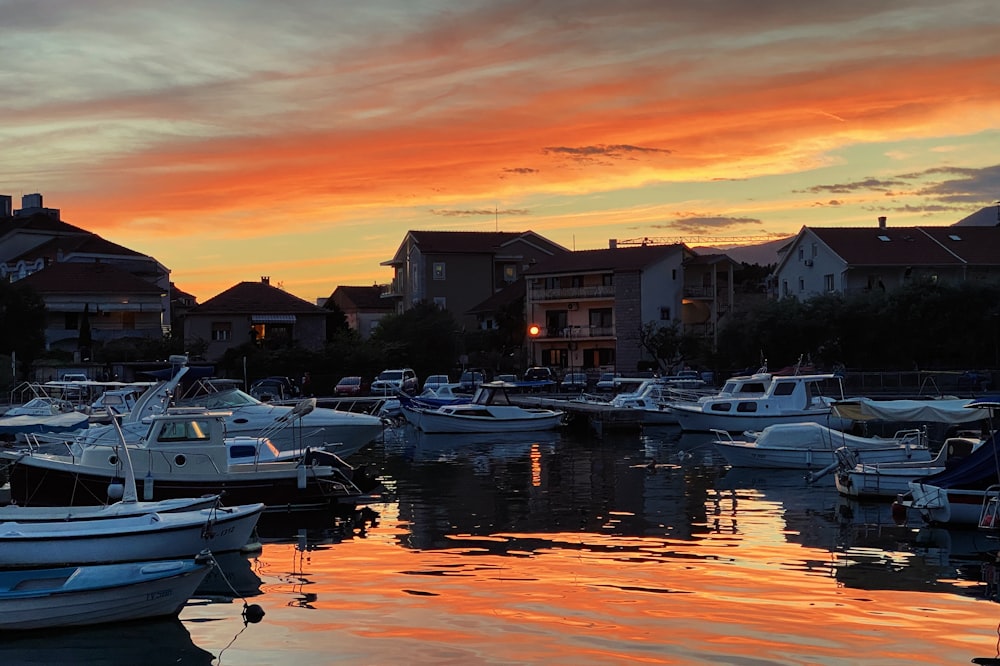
(566, 548)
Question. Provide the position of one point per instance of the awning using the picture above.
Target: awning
(272, 319)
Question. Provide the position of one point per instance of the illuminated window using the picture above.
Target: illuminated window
(439, 273)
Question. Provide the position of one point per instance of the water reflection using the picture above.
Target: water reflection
(149, 643)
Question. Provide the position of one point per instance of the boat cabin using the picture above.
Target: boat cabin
(775, 394)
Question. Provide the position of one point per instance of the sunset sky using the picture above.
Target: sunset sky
(302, 139)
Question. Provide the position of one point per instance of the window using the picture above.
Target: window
(784, 388)
(802, 253)
(509, 272)
(802, 284)
(664, 314)
(784, 288)
(828, 282)
(721, 407)
(439, 273)
(222, 331)
(441, 302)
(815, 250)
(745, 407)
(600, 318)
(608, 279)
(673, 274)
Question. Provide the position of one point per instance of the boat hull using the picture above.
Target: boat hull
(946, 506)
(99, 594)
(43, 481)
(150, 537)
(431, 421)
(693, 419)
(747, 454)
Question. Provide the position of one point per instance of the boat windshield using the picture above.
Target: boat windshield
(225, 399)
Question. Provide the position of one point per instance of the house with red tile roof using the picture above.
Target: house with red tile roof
(75, 270)
(458, 270)
(823, 260)
(255, 312)
(364, 307)
(114, 303)
(590, 305)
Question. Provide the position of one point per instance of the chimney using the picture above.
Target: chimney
(613, 243)
(6, 205)
(881, 222)
(265, 279)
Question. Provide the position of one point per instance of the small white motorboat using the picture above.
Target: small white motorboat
(888, 480)
(490, 410)
(97, 593)
(812, 446)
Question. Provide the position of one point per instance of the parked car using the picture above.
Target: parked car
(507, 378)
(541, 374)
(607, 383)
(436, 381)
(350, 386)
(469, 380)
(573, 382)
(390, 382)
(274, 388)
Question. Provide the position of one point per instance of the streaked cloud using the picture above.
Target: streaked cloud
(283, 134)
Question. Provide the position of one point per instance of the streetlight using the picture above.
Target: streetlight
(534, 330)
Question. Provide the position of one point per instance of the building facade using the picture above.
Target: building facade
(591, 306)
(458, 270)
(257, 313)
(826, 260)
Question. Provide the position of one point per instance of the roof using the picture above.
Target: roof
(38, 222)
(905, 246)
(87, 243)
(255, 297)
(79, 277)
(471, 242)
(361, 298)
(504, 297)
(608, 259)
(710, 260)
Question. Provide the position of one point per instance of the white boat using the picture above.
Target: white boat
(855, 478)
(119, 509)
(753, 402)
(127, 539)
(41, 414)
(179, 454)
(652, 398)
(99, 593)
(960, 494)
(341, 431)
(490, 410)
(812, 446)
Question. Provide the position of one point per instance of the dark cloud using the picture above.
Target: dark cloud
(706, 224)
(479, 212)
(520, 170)
(876, 184)
(972, 186)
(831, 202)
(606, 151)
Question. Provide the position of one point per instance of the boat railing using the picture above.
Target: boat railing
(989, 515)
(722, 435)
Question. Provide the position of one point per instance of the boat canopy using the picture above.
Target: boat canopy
(945, 410)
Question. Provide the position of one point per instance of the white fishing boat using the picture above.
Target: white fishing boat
(813, 446)
(182, 453)
(753, 402)
(888, 480)
(490, 410)
(81, 595)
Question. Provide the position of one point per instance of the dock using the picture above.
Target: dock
(600, 417)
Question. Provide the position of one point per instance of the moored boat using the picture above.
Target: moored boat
(490, 410)
(83, 595)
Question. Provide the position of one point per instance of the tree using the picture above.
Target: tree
(22, 322)
(668, 346)
(425, 337)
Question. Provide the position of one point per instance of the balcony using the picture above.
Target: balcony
(577, 333)
(571, 293)
(391, 290)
